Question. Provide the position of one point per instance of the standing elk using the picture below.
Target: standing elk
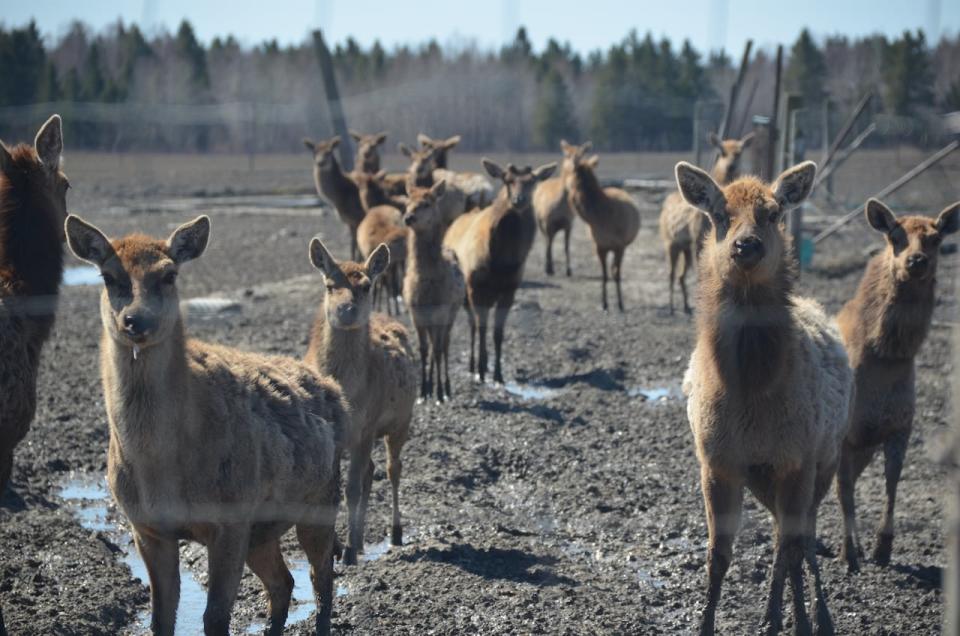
(33, 205)
(336, 186)
(551, 207)
(368, 160)
(883, 327)
(422, 173)
(208, 443)
(682, 226)
(610, 213)
(478, 191)
(371, 357)
(769, 385)
(492, 247)
(383, 223)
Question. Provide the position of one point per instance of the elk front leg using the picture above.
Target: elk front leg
(549, 257)
(723, 500)
(566, 249)
(894, 452)
(499, 324)
(617, 262)
(424, 340)
(226, 554)
(483, 315)
(673, 254)
(356, 474)
(602, 255)
(793, 498)
(162, 559)
(394, 444)
(852, 463)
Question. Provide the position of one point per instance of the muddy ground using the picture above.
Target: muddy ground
(567, 502)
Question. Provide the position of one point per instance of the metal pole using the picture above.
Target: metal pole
(845, 130)
(841, 157)
(746, 107)
(893, 187)
(335, 106)
(697, 133)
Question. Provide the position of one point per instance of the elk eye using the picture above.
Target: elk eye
(773, 217)
(169, 278)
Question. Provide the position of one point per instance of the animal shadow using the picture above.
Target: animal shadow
(496, 564)
(537, 410)
(601, 379)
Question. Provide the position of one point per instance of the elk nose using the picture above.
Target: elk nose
(917, 263)
(748, 251)
(134, 324)
(519, 200)
(347, 313)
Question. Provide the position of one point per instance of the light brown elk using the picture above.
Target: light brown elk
(552, 210)
(207, 443)
(368, 160)
(33, 205)
(336, 186)
(883, 328)
(769, 385)
(433, 286)
(383, 223)
(422, 173)
(371, 357)
(610, 213)
(479, 192)
(682, 226)
(492, 247)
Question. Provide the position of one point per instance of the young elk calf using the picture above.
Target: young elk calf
(207, 443)
(492, 246)
(682, 226)
(33, 205)
(768, 384)
(433, 286)
(883, 327)
(611, 213)
(336, 186)
(371, 357)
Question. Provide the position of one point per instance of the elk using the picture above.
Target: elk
(769, 384)
(492, 247)
(883, 328)
(368, 160)
(610, 213)
(336, 186)
(682, 226)
(433, 286)
(383, 223)
(33, 205)
(553, 213)
(479, 192)
(207, 443)
(371, 357)
(423, 173)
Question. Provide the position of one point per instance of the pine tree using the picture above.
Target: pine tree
(907, 74)
(554, 118)
(22, 61)
(49, 90)
(193, 54)
(92, 81)
(807, 69)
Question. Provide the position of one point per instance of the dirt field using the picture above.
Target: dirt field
(565, 503)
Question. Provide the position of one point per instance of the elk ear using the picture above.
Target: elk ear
(380, 175)
(380, 138)
(746, 140)
(492, 169)
(189, 240)
(356, 136)
(378, 261)
(700, 190)
(439, 189)
(6, 161)
(714, 140)
(321, 258)
(544, 172)
(793, 186)
(451, 142)
(310, 144)
(404, 150)
(334, 142)
(948, 220)
(879, 216)
(425, 141)
(566, 147)
(49, 142)
(593, 162)
(585, 147)
(86, 241)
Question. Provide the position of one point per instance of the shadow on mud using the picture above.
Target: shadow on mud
(496, 563)
(537, 410)
(600, 379)
(928, 577)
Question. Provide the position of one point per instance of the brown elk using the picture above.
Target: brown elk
(552, 210)
(478, 191)
(423, 173)
(33, 205)
(207, 443)
(769, 385)
(883, 327)
(433, 286)
(492, 247)
(682, 226)
(611, 214)
(336, 186)
(383, 223)
(371, 357)
(368, 160)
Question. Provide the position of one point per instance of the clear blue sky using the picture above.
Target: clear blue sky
(588, 25)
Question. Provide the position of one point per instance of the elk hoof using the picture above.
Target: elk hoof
(396, 535)
(350, 555)
(881, 552)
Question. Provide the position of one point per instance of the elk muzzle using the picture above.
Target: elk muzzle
(917, 265)
(748, 251)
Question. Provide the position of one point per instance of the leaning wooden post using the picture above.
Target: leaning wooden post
(735, 91)
(334, 105)
(774, 134)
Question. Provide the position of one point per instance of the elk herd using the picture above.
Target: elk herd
(783, 400)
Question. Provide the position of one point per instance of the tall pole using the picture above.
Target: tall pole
(334, 105)
(774, 136)
(735, 90)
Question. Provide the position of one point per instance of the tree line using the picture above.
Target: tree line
(122, 89)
